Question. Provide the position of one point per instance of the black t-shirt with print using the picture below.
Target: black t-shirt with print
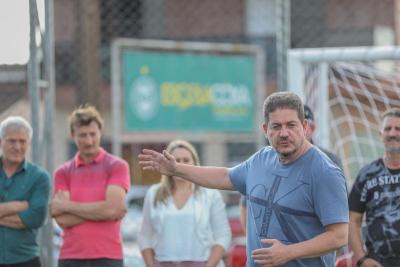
(376, 192)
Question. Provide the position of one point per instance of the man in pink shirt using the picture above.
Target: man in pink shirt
(89, 197)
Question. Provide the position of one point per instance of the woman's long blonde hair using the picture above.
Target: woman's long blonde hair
(167, 184)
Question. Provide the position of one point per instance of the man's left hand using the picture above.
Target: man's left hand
(275, 255)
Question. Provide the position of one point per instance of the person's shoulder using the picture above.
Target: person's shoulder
(319, 155)
(113, 159)
(374, 167)
(37, 171)
(332, 156)
(65, 166)
(320, 162)
(263, 153)
(153, 189)
(113, 163)
(208, 196)
(266, 150)
(209, 192)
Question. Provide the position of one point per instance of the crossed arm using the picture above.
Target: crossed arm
(68, 213)
(9, 214)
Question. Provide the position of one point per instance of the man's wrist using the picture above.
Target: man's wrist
(361, 260)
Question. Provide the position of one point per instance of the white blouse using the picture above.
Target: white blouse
(185, 234)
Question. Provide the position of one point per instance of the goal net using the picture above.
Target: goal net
(348, 90)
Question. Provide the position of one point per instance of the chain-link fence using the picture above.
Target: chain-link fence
(84, 30)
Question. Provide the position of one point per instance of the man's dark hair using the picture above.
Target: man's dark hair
(83, 116)
(392, 112)
(283, 100)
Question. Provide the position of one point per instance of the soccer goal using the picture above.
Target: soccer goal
(348, 89)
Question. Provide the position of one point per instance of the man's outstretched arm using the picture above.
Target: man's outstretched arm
(164, 163)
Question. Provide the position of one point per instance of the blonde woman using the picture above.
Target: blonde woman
(183, 224)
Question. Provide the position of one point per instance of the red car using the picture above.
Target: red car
(346, 260)
(236, 256)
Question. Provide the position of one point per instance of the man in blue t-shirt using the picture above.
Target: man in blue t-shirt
(311, 127)
(297, 198)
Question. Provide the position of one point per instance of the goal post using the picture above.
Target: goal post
(348, 89)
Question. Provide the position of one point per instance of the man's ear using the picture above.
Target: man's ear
(265, 128)
(309, 124)
(313, 126)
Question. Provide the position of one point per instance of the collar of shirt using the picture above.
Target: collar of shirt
(22, 167)
(100, 156)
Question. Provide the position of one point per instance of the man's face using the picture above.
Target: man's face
(390, 134)
(14, 145)
(87, 139)
(285, 131)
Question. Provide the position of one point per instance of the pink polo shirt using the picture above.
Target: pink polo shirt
(88, 183)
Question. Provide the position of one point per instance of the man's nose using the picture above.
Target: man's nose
(283, 132)
(393, 132)
(88, 140)
(17, 145)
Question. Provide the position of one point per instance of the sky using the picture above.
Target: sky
(14, 30)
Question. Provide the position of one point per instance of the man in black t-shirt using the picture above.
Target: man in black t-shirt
(376, 192)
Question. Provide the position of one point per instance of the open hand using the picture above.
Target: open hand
(275, 255)
(163, 163)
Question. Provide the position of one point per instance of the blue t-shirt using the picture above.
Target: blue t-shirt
(291, 202)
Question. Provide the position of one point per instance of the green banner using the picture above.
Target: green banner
(169, 91)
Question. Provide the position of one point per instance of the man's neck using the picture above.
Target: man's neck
(88, 158)
(392, 160)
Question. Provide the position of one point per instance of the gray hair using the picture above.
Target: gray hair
(16, 123)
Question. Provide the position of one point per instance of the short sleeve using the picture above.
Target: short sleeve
(60, 180)
(238, 176)
(355, 200)
(119, 174)
(330, 196)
